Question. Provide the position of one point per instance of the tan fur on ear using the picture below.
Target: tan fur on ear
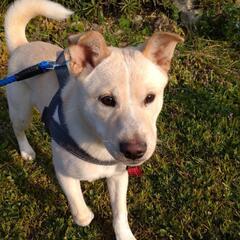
(86, 49)
(95, 42)
(160, 48)
(78, 61)
(73, 39)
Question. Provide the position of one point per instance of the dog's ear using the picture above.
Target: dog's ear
(87, 49)
(160, 48)
(73, 39)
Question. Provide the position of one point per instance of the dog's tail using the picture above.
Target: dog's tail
(22, 11)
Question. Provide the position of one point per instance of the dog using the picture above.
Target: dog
(110, 103)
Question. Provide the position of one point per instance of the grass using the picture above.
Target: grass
(191, 186)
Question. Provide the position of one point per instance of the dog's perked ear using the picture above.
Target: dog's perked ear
(85, 49)
(160, 48)
(73, 39)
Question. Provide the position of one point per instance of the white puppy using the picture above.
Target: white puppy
(110, 104)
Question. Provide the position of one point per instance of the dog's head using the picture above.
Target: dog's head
(122, 91)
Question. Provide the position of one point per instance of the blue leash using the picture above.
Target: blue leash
(32, 71)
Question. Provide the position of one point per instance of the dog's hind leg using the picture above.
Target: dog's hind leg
(20, 111)
(81, 213)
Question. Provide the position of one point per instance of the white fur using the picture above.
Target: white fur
(126, 73)
(22, 11)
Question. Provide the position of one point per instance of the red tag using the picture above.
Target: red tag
(135, 171)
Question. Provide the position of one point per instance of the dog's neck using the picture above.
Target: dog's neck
(78, 128)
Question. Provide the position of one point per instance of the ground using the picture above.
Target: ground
(191, 186)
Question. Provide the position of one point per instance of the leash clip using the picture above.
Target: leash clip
(47, 65)
(50, 65)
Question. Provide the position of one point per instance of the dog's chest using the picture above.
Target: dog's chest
(69, 165)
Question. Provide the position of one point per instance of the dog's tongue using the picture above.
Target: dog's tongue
(135, 171)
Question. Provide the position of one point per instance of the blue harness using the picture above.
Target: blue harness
(58, 131)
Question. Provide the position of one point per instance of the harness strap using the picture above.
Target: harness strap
(64, 140)
(59, 131)
(62, 70)
(47, 114)
(63, 77)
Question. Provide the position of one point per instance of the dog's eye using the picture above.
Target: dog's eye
(108, 101)
(149, 98)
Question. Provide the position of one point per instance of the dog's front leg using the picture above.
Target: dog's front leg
(82, 215)
(117, 186)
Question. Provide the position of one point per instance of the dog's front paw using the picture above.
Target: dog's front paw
(83, 219)
(124, 233)
(125, 237)
(28, 154)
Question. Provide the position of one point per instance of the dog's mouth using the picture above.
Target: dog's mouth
(134, 164)
(130, 162)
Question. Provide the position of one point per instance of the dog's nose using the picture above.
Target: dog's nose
(133, 149)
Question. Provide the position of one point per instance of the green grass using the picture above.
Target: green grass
(191, 186)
